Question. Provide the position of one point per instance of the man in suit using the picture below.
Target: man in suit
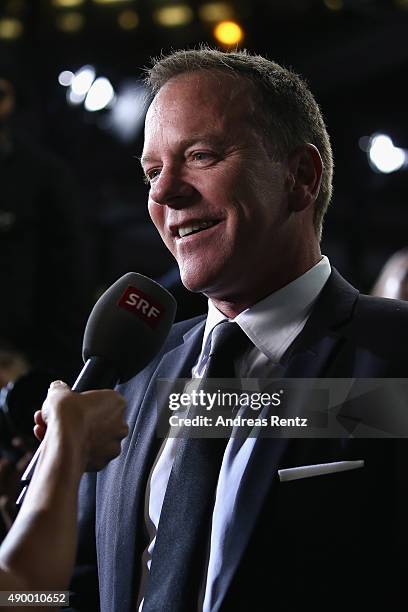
(239, 164)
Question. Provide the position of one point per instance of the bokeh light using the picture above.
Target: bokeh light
(228, 33)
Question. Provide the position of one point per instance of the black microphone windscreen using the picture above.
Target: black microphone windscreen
(127, 328)
(129, 324)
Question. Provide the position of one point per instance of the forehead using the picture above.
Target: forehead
(191, 103)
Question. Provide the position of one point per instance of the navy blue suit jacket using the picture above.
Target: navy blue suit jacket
(329, 542)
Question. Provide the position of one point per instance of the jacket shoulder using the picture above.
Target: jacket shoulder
(379, 328)
(382, 312)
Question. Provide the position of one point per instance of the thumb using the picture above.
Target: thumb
(58, 384)
(56, 389)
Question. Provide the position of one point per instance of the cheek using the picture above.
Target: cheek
(156, 213)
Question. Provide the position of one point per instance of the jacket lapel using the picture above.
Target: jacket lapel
(139, 453)
(311, 356)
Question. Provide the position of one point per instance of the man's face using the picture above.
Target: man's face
(216, 197)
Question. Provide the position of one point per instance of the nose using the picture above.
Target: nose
(171, 189)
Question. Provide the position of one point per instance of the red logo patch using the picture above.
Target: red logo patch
(136, 301)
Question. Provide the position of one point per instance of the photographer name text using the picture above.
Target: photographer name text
(274, 420)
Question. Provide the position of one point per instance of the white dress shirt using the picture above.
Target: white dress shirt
(272, 325)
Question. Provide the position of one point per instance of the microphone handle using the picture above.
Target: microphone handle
(97, 373)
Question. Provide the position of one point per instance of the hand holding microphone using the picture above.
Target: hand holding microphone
(93, 422)
(79, 431)
(125, 330)
(82, 430)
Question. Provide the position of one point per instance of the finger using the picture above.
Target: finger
(38, 418)
(58, 384)
(110, 452)
(39, 432)
(57, 387)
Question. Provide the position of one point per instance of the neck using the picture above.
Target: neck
(231, 306)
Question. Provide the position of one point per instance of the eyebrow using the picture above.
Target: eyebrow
(143, 159)
(184, 144)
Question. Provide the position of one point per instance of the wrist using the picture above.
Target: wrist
(67, 444)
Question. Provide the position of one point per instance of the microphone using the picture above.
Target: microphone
(127, 327)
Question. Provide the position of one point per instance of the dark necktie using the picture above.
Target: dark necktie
(182, 539)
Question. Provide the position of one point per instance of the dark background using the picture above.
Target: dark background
(355, 59)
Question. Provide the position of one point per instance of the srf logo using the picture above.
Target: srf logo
(141, 304)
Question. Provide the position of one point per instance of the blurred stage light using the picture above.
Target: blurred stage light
(65, 78)
(82, 81)
(70, 22)
(384, 156)
(10, 28)
(73, 98)
(364, 143)
(100, 95)
(402, 4)
(173, 16)
(67, 3)
(14, 7)
(127, 115)
(215, 11)
(128, 19)
(228, 33)
(334, 5)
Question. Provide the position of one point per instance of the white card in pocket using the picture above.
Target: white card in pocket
(319, 469)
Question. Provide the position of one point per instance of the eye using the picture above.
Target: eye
(202, 157)
(150, 175)
(199, 155)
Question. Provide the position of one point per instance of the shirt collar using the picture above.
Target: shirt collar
(274, 322)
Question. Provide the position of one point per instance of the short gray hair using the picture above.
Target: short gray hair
(288, 112)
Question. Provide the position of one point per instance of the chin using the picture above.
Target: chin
(202, 277)
(192, 285)
(196, 283)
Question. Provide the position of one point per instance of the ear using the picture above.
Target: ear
(305, 169)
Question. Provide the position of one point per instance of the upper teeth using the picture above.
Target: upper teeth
(189, 229)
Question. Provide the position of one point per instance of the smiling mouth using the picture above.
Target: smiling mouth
(194, 228)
